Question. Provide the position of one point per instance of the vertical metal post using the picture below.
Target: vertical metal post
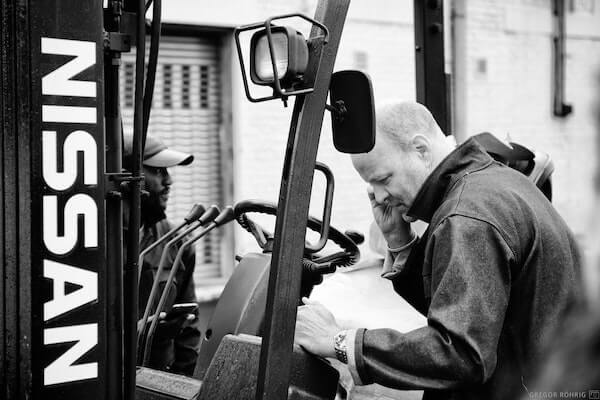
(114, 212)
(560, 108)
(130, 276)
(15, 287)
(3, 92)
(294, 197)
(429, 60)
(12, 31)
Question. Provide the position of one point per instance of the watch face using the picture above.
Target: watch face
(340, 340)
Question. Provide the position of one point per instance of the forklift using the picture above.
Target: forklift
(68, 298)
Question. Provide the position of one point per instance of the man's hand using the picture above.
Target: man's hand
(316, 328)
(167, 328)
(391, 222)
(161, 316)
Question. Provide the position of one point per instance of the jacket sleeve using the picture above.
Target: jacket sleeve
(469, 286)
(188, 339)
(408, 283)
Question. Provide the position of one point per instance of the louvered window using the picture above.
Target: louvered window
(186, 116)
(128, 85)
(167, 75)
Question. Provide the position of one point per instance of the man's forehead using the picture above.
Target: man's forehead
(371, 164)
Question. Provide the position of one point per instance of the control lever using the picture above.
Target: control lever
(227, 215)
(316, 268)
(208, 215)
(195, 213)
(312, 274)
(356, 237)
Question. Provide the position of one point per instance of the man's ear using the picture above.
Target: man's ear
(422, 146)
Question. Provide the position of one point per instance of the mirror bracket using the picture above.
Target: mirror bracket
(339, 111)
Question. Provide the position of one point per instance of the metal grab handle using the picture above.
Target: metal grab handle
(328, 203)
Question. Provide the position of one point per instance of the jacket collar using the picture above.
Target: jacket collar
(466, 158)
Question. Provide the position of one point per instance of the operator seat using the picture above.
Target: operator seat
(537, 166)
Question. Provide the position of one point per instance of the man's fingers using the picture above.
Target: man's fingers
(162, 315)
(308, 301)
(371, 195)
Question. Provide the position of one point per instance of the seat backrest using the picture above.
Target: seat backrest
(537, 166)
(240, 309)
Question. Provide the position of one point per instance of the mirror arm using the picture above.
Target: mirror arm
(339, 111)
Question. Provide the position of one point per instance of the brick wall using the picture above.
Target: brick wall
(506, 75)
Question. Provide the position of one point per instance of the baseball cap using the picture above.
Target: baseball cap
(156, 154)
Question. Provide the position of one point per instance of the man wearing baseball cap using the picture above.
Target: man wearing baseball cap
(176, 340)
(157, 154)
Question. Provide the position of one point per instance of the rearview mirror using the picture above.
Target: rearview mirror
(352, 112)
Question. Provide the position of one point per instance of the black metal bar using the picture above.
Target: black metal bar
(429, 60)
(9, 333)
(559, 108)
(152, 64)
(3, 117)
(114, 213)
(26, 182)
(130, 282)
(294, 197)
(16, 188)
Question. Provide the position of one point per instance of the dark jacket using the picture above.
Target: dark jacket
(494, 273)
(172, 351)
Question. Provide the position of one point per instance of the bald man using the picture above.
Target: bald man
(494, 273)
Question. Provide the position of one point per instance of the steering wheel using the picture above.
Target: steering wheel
(349, 255)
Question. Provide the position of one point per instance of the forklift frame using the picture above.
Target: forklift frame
(23, 287)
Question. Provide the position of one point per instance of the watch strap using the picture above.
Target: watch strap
(341, 346)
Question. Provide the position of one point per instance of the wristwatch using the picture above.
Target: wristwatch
(341, 347)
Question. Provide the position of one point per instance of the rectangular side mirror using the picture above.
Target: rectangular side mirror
(353, 117)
